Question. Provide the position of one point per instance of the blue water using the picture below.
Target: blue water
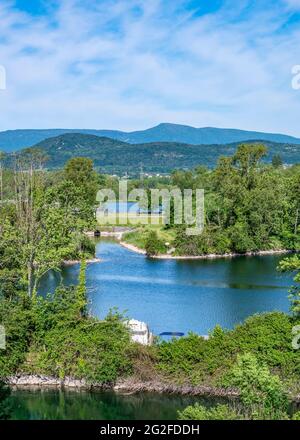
(181, 296)
(119, 207)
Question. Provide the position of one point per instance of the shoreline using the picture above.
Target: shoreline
(129, 385)
(132, 248)
(123, 386)
(74, 262)
(137, 250)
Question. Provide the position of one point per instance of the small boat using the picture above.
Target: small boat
(171, 334)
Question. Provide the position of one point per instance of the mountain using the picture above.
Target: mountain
(14, 140)
(117, 157)
(206, 135)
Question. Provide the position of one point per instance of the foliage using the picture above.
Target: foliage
(91, 350)
(194, 360)
(56, 337)
(43, 224)
(153, 245)
(17, 321)
(249, 207)
(277, 161)
(293, 265)
(296, 416)
(199, 412)
(261, 393)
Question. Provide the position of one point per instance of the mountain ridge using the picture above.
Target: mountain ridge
(117, 157)
(14, 140)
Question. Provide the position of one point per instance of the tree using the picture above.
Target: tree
(81, 292)
(80, 172)
(2, 156)
(292, 264)
(247, 157)
(277, 161)
(46, 224)
(261, 393)
(153, 245)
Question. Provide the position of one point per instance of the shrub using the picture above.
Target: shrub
(261, 393)
(296, 416)
(199, 412)
(268, 336)
(153, 245)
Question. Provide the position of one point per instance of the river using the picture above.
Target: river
(169, 295)
(80, 405)
(180, 295)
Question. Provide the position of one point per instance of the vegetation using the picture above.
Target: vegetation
(249, 206)
(262, 395)
(268, 336)
(199, 412)
(118, 157)
(293, 265)
(43, 225)
(43, 217)
(153, 244)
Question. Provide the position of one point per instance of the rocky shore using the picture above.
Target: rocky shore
(138, 250)
(217, 256)
(74, 262)
(132, 248)
(129, 385)
(124, 386)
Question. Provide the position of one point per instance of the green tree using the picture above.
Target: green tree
(80, 172)
(153, 245)
(277, 161)
(81, 290)
(262, 394)
(292, 264)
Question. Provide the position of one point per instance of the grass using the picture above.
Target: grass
(123, 219)
(139, 236)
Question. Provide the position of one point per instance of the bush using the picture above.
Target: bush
(93, 350)
(268, 336)
(153, 245)
(18, 325)
(69, 343)
(296, 416)
(261, 393)
(198, 412)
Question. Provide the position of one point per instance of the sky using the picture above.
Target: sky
(131, 64)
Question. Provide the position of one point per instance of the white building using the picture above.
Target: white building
(140, 332)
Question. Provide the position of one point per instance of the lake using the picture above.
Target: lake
(180, 295)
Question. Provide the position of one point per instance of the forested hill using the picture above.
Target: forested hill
(114, 156)
(14, 140)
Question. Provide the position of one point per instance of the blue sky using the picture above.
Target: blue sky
(130, 64)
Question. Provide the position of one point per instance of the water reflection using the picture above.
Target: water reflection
(79, 405)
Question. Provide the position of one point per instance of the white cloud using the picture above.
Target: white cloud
(130, 65)
(293, 4)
